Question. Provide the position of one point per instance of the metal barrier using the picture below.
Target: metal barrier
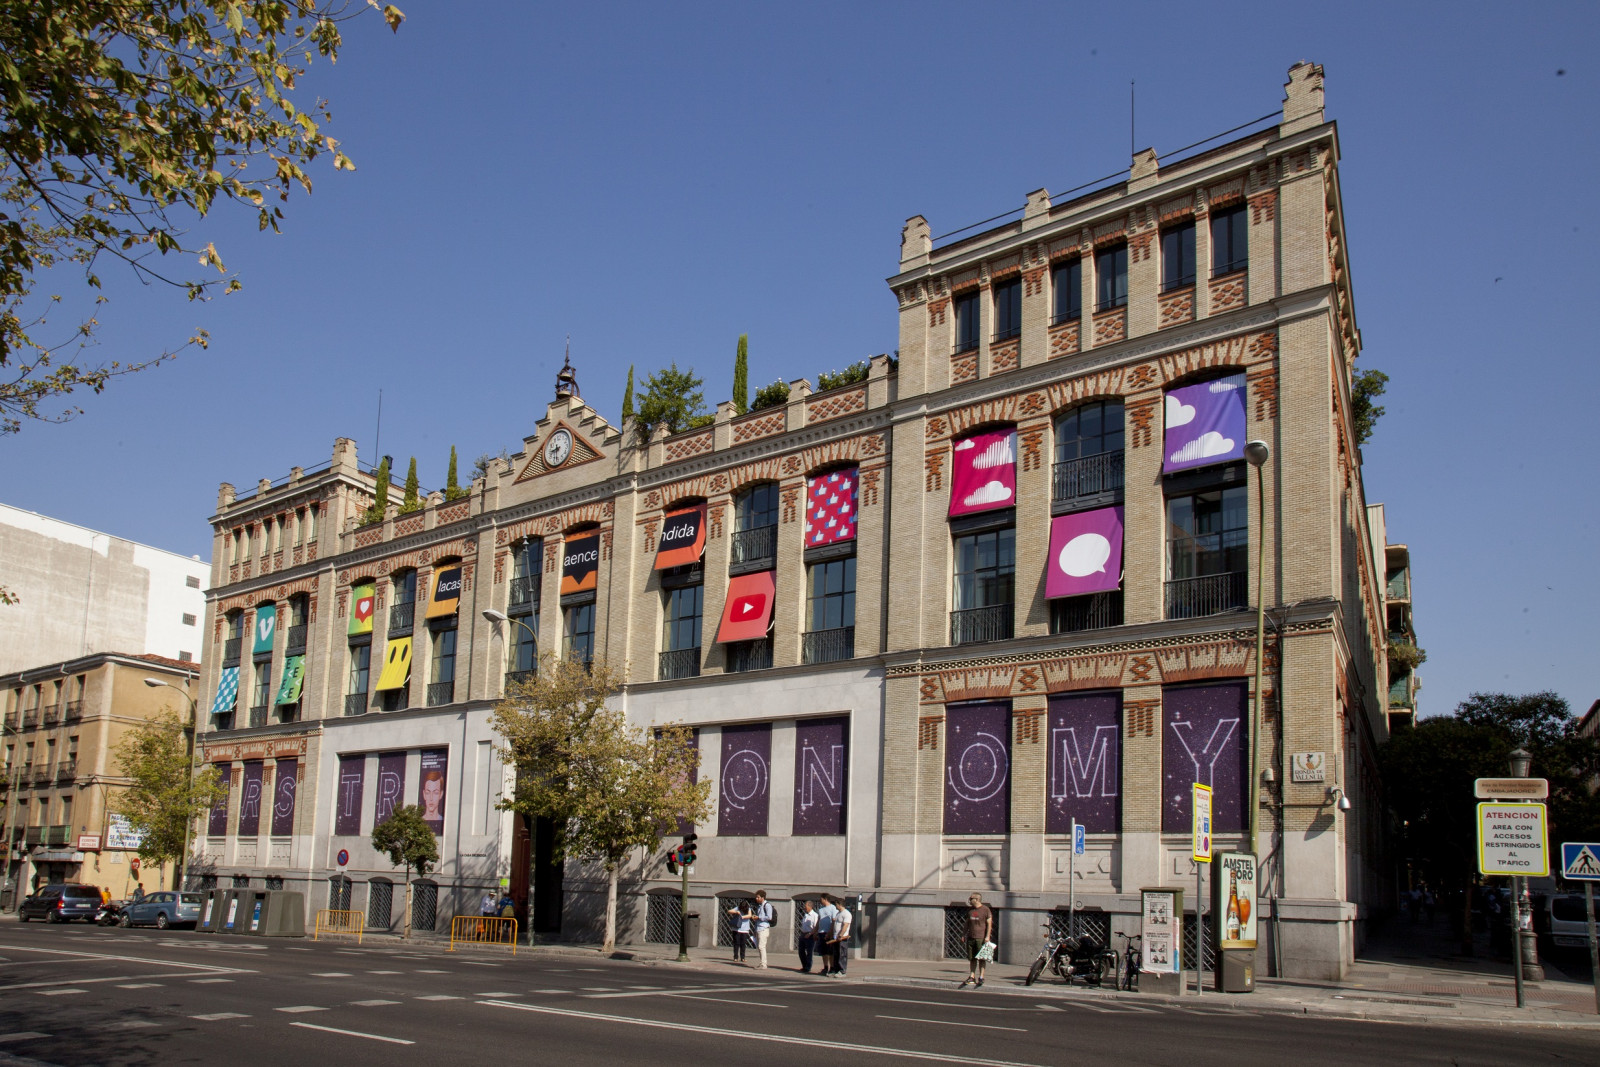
(340, 924)
(483, 930)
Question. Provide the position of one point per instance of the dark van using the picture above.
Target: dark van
(61, 903)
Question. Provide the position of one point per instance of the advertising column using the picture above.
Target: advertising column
(1233, 906)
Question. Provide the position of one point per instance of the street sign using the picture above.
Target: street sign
(1309, 767)
(1202, 823)
(1580, 861)
(1080, 837)
(1511, 788)
(1511, 839)
(88, 842)
(344, 856)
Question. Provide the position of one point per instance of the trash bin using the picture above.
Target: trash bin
(228, 919)
(252, 902)
(283, 914)
(691, 926)
(211, 912)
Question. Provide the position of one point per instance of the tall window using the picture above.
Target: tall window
(1111, 277)
(1066, 282)
(404, 609)
(1230, 241)
(1007, 309)
(1088, 451)
(986, 566)
(966, 321)
(262, 699)
(311, 523)
(355, 701)
(755, 526)
(680, 639)
(579, 639)
(525, 647)
(299, 624)
(526, 557)
(830, 611)
(441, 689)
(1177, 257)
(1208, 544)
(231, 649)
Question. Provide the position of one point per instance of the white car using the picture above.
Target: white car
(1568, 926)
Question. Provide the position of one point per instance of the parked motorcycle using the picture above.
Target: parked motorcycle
(110, 913)
(1069, 957)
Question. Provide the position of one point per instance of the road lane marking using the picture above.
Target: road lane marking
(599, 989)
(124, 959)
(133, 1024)
(208, 981)
(59, 992)
(372, 1003)
(975, 1005)
(330, 974)
(439, 996)
(686, 989)
(728, 1000)
(218, 1016)
(479, 963)
(297, 1008)
(22, 1035)
(386, 972)
(808, 1042)
(355, 1033)
(497, 994)
(947, 1022)
(424, 970)
(139, 985)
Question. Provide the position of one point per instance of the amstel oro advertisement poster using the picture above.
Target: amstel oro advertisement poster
(1236, 892)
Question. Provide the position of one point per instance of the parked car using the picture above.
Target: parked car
(1569, 926)
(162, 910)
(61, 903)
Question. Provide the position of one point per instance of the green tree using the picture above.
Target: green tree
(608, 787)
(407, 840)
(741, 376)
(770, 396)
(627, 395)
(380, 498)
(452, 487)
(481, 465)
(673, 398)
(412, 500)
(122, 121)
(835, 379)
(165, 794)
(1365, 388)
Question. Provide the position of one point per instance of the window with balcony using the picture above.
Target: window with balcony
(1089, 461)
(1207, 548)
(299, 624)
(1066, 286)
(403, 612)
(261, 701)
(755, 529)
(234, 643)
(1007, 309)
(527, 556)
(966, 313)
(830, 611)
(356, 693)
(1111, 277)
(1177, 257)
(442, 686)
(680, 638)
(985, 575)
(578, 639)
(1230, 241)
(524, 661)
(1070, 614)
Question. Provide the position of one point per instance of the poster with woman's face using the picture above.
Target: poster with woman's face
(430, 791)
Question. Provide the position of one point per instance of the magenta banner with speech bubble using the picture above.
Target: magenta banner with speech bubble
(1204, 423)
(1085, 553)
(983, 472)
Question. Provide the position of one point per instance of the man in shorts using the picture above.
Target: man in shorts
(980, 929)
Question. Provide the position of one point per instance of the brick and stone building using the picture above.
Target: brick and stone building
(921, 622)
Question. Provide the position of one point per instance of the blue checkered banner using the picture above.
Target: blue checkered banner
(227, 691)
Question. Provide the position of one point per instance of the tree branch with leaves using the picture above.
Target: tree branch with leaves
(165, 793)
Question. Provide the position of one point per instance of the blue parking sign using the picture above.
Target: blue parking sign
(1080, 837)
(1580, 861)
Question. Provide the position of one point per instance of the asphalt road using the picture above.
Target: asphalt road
(77, 995)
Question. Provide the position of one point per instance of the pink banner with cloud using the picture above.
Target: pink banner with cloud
(983, 472)
(1085, 553)
(1205, 424)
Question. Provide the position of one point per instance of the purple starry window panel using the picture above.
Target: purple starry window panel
(744, 788)
(285, 787)
(1203, 740)
(821, 762)
(347, 795)
(218, 823)
(250, 800)
(391, 785)
(1085, 768)
(977, 768)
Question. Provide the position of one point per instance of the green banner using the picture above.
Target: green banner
(294, 675)
(266, 628)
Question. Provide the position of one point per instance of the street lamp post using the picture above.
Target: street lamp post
(1258, 453)
(11, 799)
(522, 834)
(189, 731)
(1527, 948)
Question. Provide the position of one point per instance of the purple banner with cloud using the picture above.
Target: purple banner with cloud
(285, 787)
(250, 799)
(1085, 553)
(1205, 424)
(745, 786)
(1085, 762)
(821, 762)
(218, 823)
(983, 472)
(435, 772)
(391, 785)
(1203, 740)
(347, 795)
(977, 768)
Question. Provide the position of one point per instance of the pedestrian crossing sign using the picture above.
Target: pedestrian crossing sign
(1580, 861)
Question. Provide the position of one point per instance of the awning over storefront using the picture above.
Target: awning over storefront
(748, 611)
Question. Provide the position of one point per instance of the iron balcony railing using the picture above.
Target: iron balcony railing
(969, 345)
(400, 616)
(258, 714)
(1399, 587)
(30, 718)
(520, 677)
(297, 639)
(52, 714)
(1400, 691)
(355, 704)
(760, 543)
(828, 646)
(230, 651)
(441, 693)
(680, 663)
(750, 656)
(66, 770)
(1093, 612)
(1007, 334)
(43, 776)
(74, 711)
(56, 835)
(1089, 476)
(1209, 594)
(524, 590)
(981, 624)
(34, 836)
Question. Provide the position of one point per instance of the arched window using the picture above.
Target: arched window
(1089, 460)
(526, 557)
(403, 611)
(755, 527)
(235, 639)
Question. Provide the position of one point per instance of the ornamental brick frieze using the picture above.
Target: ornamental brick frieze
(769, 469)
(1025, 725)
(753, 428)
(1140, 417)
(454, 513)
(836, 405)
(1110, 326)
(791, 502)
(1263, 388)
(1227, 293)
(1177, 307)
(1107, 232)
(244, 601)
(1005, 356)
(964, 369)
(558, 523)
(269, 748)
(715, 516)
(936, 309)
(1238, 350)
(868, 489)
(1065, 340)
(1139, 246)
(934, 464)
(693, 445)
(1032, 442)
(552, 557)
(1033, 281)
(1226, 194)
(928, 731)
(1264, 207)
(409, 526)
(465, 547)
(1173, 210)
(1141, 717)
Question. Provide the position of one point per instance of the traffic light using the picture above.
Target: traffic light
(672, 862)
(686, 853)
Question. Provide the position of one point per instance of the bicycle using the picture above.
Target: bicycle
(1132, 958)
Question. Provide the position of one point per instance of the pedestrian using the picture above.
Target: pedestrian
(980, 931)
(138, 893)
(1430, 902)
(842, 921)
(105, 896)
(489, 905)
(765, 915)
(825, 916)
(741, 932)
(808, 936)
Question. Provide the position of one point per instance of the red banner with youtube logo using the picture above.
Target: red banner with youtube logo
(748, 611)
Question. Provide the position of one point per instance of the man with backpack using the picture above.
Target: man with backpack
(765, 915)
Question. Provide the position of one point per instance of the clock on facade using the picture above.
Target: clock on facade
(558, 448)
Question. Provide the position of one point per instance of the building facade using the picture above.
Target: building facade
(922, 623)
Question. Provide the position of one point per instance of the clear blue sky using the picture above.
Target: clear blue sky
(657, 179)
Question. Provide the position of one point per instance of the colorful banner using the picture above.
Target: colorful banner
(446, 594)
(1202, 741)
(347, 798)
(294, 676)
(1236, 893)
(831, 507)
(1085, 553)
(821, 763)
(748, 611)
(1205, 424)
(285, 786)
(1085, 762)
(250, 799)
(362, 597)
(435, 773)
(745, 785)
(580, 565)
(227, 691)
(977, 768)
(683, 537)
(266, 629)
(983, 472)
(218, 823)
(396, 664)
(391, 785)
